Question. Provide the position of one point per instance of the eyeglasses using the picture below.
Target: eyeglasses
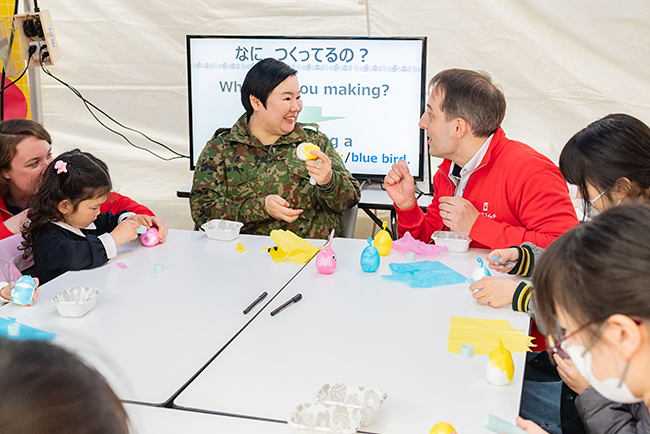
(558, 347)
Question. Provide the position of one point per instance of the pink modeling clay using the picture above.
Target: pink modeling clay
(121, 264)
(409, 244)
(150, 238)
(326, 258)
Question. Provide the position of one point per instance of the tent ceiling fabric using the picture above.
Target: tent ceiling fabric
(561, 65)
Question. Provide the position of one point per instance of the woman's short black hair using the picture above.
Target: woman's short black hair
(614, 147)
(260, 81)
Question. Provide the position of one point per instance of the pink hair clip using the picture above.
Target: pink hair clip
(61, 166)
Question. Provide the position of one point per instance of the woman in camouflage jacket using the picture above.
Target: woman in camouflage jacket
(251, 173)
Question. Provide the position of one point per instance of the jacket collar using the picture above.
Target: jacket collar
(241, 134)
(72, 229)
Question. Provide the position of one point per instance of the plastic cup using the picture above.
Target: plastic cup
(13, 329)
(467, 351)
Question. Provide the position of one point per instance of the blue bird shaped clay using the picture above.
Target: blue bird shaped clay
(370, 258)
(23, 292)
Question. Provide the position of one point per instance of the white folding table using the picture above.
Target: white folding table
(157, 420)
(151, 332)
(361, 329)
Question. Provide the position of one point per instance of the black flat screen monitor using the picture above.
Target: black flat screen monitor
(366, 94)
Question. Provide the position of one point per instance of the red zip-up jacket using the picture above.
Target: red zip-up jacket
(115, 203)
(519, 193)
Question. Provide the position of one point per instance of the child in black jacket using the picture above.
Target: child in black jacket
(66, 230)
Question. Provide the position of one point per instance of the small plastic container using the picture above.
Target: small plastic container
(456, 243)
(76, 302)
(322, 418)
(467, 351)
(222, 230)
(363, 399)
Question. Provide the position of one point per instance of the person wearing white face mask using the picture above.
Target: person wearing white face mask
(593, 282)
(609, 162)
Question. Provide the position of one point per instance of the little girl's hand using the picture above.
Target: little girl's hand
(143, 220)
(126, 231)
(36, 291)
(5, 292)
(504, 255)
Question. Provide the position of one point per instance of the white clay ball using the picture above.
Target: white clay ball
(478, 274)
(495, 375)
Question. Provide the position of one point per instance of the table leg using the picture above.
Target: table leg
(393, 221)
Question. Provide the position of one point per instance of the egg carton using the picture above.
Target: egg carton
(76, 302)
(222, 230)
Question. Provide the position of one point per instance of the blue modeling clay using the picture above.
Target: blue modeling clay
(26, 332)
(479, 272)
(424, 274)
(23, 292)
(497, 258)
(370, 258)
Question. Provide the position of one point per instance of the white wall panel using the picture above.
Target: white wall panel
(561, 64)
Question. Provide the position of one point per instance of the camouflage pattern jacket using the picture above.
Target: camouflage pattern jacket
(236, 172)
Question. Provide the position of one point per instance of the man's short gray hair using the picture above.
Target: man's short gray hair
(470, 95)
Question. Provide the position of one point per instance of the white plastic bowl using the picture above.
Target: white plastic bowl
(364, 399)
(456, 243)
(222, 230)
(322, 418)
(76, 302)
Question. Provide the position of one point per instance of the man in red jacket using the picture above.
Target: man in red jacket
(497, 191)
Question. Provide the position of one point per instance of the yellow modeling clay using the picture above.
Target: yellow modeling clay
(502, 358)
(241, 248)
(383, 242)
(304, 151)
(442, 428)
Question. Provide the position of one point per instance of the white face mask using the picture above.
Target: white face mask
(592, 211)
(593, 201)
(610, 387)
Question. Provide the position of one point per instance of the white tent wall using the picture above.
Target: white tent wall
(561, 64)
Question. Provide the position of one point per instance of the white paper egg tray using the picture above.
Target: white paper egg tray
(222, 230)
(322, 418)
(456, 243)
(76, 301)
(340, 408)
(365, 399)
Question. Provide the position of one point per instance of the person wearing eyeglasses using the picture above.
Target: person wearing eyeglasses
(593, 282)
(609, 162)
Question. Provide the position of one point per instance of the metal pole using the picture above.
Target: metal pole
(34, 80)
